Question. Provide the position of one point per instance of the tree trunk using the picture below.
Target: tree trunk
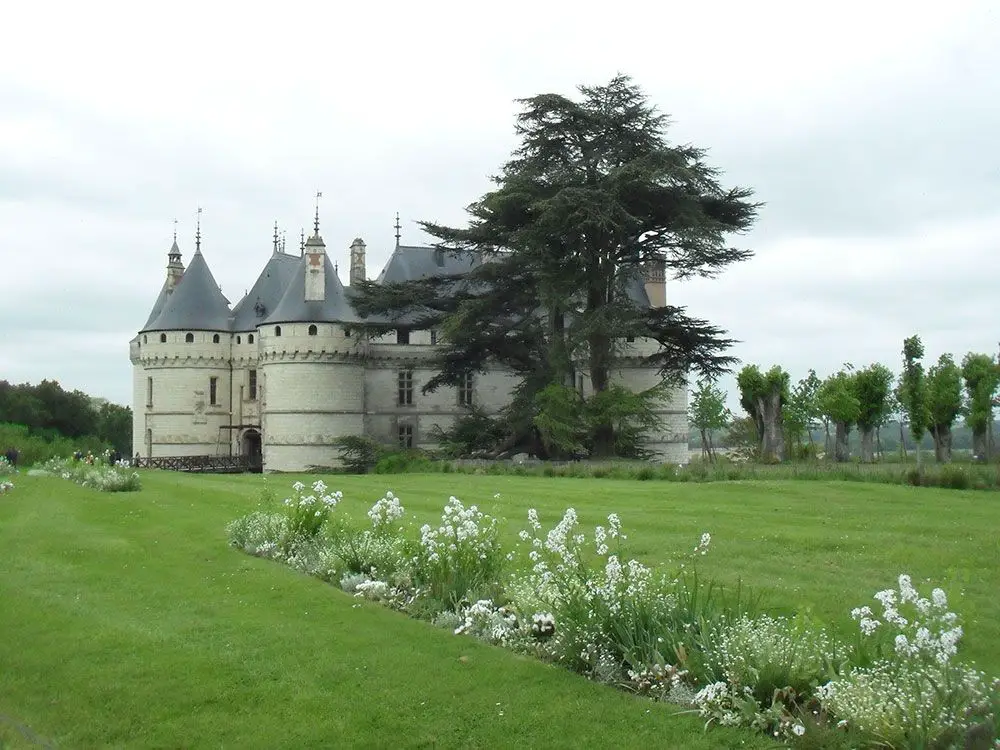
(980, 445)
(705, 450)
(867, 452)
(902, 441)
(827, 446)
(773, 444)
(878, 443)
(711, 448)
(942, 443)
(841, 450)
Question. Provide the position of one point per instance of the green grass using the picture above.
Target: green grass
(128, 622)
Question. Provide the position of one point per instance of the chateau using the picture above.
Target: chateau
(291, 367)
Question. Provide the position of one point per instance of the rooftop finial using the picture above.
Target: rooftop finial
(316, 225)
(175, 231)
(302, 242)
(397, 229)
(275, 236)
(282, 240)
(197, 233)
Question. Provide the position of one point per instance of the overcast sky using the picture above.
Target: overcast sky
(868, 129)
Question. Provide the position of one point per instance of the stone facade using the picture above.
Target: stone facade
(305, 370)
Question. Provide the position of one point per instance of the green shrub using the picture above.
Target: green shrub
(359, 454)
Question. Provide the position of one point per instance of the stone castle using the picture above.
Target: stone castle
(291, 367)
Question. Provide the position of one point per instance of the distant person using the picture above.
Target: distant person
(12, 455)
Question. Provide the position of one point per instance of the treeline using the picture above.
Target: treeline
(48, 412)
(783, 419)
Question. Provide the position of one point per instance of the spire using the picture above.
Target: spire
(197, 233)
(316, 225)
(302, 242)
(282, 240)
(174, 255)
(275, 236)
(397, 229)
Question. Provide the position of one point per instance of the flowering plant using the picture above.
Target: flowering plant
(308, 512)
(462, 556)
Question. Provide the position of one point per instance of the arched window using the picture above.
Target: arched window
(144, 338)
(163, 338)
(312, 330)
(277, 330)
(215, 339)
(239, 340)
(189, 338)
(250, 338)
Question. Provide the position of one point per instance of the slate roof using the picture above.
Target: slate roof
(293, 307)
(266, 293)
(411, 263)
(161, 300)
(195, 304)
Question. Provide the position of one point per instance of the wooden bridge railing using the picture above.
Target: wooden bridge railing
(207, 464)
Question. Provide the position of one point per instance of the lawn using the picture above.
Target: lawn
(127, 621)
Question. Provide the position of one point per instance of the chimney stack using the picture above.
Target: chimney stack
(357, 262)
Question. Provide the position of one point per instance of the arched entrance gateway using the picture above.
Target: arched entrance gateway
(251, 447)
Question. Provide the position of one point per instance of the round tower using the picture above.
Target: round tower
(310, 354)
(181, 366)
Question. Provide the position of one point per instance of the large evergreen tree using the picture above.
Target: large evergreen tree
(592, 197)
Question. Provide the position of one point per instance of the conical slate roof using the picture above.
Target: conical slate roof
(161, 300)
(195, 304)
(334, 308)
(266, 293)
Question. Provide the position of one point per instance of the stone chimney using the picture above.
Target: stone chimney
(655, 276)
(357, 262)
(315, 254)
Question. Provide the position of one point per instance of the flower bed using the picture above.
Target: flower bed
(574, 598)
(95, 472)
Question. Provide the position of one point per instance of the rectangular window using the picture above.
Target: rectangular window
(465, 390)
(149, 392)
(405, 382)
(434, 337)
(253, 385)
(213, 391)
(402, 336)
(405, 436)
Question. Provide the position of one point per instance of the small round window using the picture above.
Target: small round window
(312, 330)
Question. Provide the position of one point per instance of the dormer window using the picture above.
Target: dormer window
(312, 329)
(189, 338)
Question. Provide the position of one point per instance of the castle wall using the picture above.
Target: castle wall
(173, 412)
(670, 443)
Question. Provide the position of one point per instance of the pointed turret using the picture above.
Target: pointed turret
(266, 293)
(175, 270)
(329, 306)
(196, 302)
